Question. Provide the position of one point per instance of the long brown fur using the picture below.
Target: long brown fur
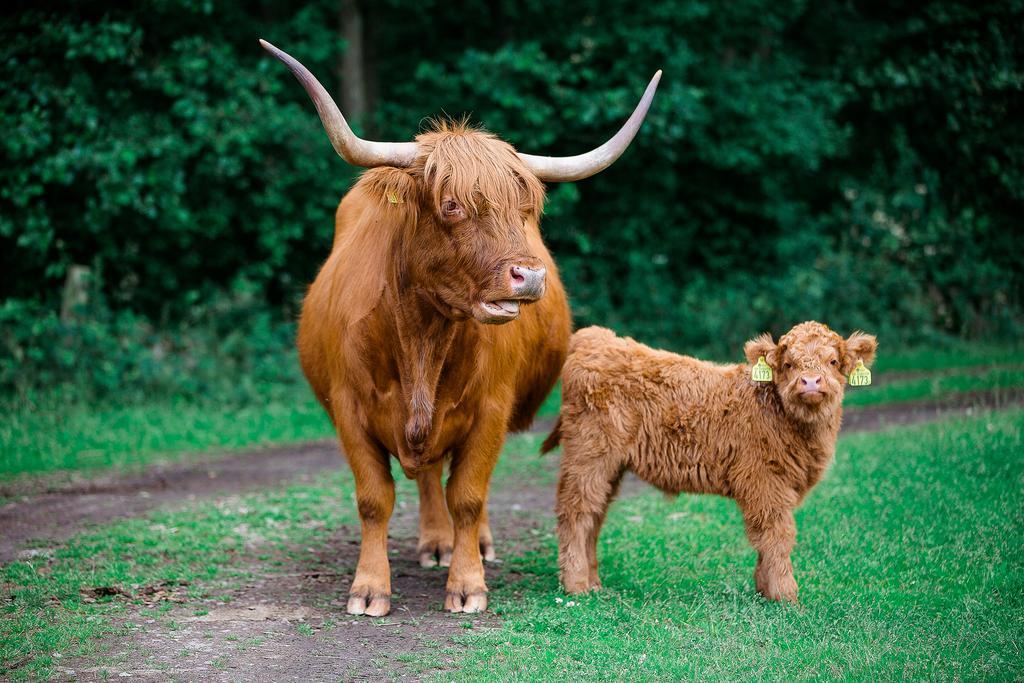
(686, 425)
(389, 344)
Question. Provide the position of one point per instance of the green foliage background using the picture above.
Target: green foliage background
(860, 163)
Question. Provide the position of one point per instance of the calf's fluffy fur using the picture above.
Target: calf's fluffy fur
(686, 425)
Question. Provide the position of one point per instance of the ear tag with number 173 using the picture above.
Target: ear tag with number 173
(861, 376)
(761, 372)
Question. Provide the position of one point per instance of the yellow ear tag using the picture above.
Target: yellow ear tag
(761, 372)
(861, 376)
(393, 198)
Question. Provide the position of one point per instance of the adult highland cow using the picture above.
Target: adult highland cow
(437, 324)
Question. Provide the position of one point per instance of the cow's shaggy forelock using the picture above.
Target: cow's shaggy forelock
(476, 169)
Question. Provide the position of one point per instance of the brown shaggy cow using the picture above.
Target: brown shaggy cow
(416, 335)
(684, 424)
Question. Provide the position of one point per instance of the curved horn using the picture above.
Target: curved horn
(567, 169)
(351, 147)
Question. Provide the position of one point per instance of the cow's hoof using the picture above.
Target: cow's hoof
(369, 605)
(487, 550)
(467, 604)
(435, 554)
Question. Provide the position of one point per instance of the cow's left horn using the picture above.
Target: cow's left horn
(351, 147)
(567, 169)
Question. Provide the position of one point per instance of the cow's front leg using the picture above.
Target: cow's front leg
(472, 464)
(375, 497)
(436, 535)
(773, 535)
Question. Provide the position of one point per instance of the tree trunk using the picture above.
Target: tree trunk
(352, 70)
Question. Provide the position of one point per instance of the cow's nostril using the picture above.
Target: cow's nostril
(527, 282)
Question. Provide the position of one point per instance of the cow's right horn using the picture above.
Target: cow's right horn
(567, 169)
(351, 147)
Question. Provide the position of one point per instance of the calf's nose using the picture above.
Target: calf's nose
(527, 282)
(810, 383)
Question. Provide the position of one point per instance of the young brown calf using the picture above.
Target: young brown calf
(684, 424)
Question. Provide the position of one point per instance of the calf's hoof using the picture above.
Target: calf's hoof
(783, 590)
(465, 603)
(369, 605)
(575, 586)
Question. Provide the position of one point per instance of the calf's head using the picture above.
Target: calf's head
(479, 203)
(810, 364)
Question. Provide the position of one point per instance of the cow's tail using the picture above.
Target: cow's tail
(554, 437)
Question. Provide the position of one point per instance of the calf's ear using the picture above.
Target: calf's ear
(762, 346)
(859, 346)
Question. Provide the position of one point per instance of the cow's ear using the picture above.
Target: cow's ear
(762, 346)
(859, 346)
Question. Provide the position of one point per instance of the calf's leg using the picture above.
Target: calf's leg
(593, 580)
(772, 532)
(586, 486)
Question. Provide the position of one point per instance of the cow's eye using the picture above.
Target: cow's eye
(450, 207)
(833, 362)
(787, 365)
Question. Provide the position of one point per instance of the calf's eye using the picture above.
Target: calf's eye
(787, 365)
(833, 362)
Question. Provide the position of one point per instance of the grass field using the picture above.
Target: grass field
(88, 437)
(907, 558)
(907, 561)
(77, 437)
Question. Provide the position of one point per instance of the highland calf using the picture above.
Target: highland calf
(686, 425)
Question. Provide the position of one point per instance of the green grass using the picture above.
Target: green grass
(908, 560)
(945, 358)
(932, 387)
(83, 437)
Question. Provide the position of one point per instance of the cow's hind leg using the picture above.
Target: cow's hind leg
(436, 535)
(472, 464)
(586, 486)
(486, 538)
(375, 497)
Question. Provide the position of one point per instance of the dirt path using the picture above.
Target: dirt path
(57, 511)
(291, 624)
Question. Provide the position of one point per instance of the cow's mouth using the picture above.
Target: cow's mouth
(812, 398)
(496, 312)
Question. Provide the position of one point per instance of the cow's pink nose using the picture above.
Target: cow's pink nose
(527, 282)
(810, 383)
